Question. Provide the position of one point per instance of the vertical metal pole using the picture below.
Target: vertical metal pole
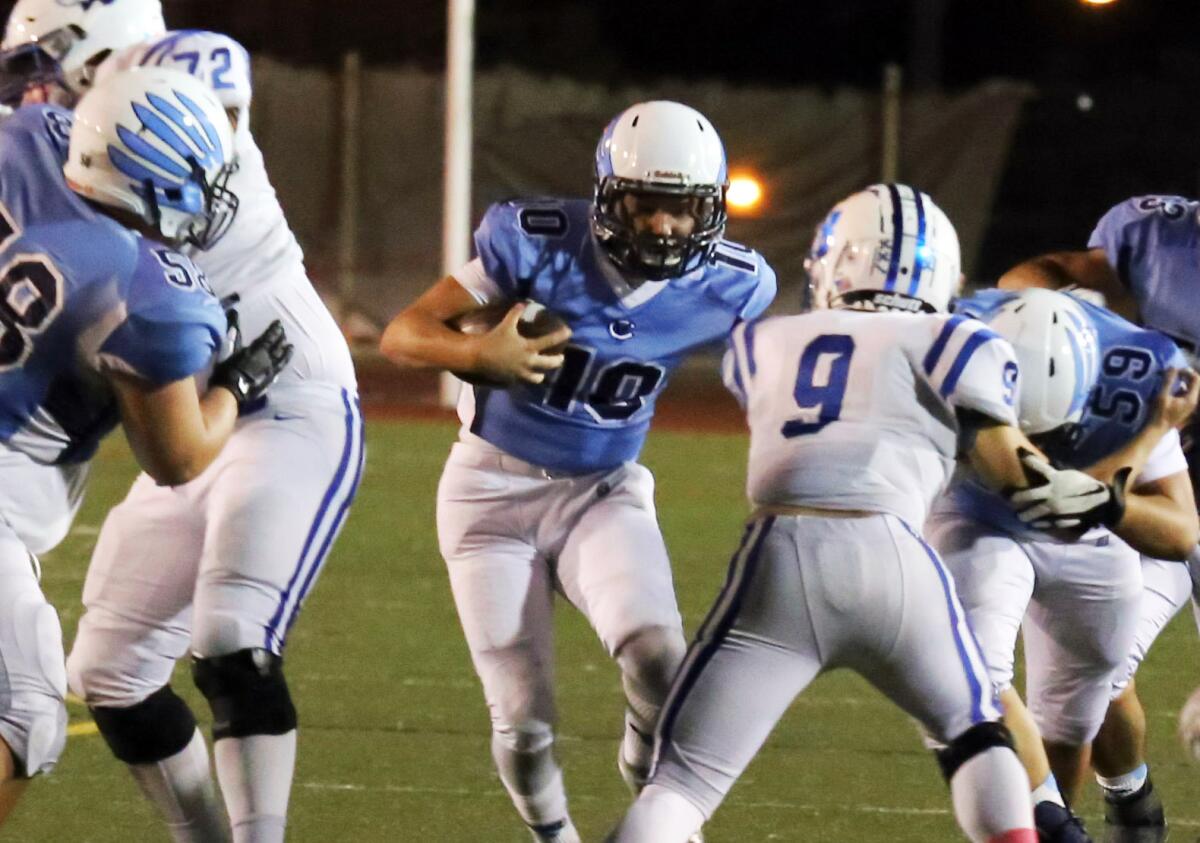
(889, 165)
(456, 176)
(351, 99)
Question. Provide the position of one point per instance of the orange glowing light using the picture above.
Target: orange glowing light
(1098, 2)
(745, 194)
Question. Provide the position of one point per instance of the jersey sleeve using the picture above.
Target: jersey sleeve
(507, 251)
(763, 292)
(1166, 459)
(1126, 233)
(973, 368)
(737, 366)
(41, 130)
(173, 325)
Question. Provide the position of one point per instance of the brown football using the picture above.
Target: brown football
(536, 321)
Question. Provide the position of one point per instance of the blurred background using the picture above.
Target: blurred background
(1025, 119)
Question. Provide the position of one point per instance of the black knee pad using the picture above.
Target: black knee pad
(247, 693)
(979, 738)
(151, 731)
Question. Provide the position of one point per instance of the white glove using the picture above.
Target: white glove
(1066, 499)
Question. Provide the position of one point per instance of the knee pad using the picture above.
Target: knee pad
(979, 738)
(153, 730)
(525, 738)
(33, 683)
(247, 693)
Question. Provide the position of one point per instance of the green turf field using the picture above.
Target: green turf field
(394, 734)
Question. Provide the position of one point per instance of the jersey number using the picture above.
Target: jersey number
(30, 297)
(1124, 405)
(614, 393)
(827, 397)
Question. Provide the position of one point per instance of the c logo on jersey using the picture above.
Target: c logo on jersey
(620, 329)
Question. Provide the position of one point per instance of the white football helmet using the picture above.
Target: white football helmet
(62, 42)
(1058, 354)
(663, 149)
(888, 247)
(156, 141)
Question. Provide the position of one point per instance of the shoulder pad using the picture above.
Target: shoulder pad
(215, 59)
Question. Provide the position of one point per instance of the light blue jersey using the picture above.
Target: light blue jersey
(81, 295)
(1133, 361)
(1153, 243)
(594, 412)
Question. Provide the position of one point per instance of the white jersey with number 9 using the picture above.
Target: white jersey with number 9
(855, 410)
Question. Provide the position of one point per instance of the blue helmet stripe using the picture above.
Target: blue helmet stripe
(150, 153)
(919, 254)
(1078, 394)
(191, 200)
(165, 132)
(204, 150)
(897, 238)
(214, 140)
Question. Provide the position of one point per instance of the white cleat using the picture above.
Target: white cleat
(698, 837)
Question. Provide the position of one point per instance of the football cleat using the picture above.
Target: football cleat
(1137, 818)
(1056, 824)
(562, 831)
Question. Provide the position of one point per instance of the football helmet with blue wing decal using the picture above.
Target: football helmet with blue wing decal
(60, 43)
(661, 158)
(888, 247)
(1058, 353)
(156, 142)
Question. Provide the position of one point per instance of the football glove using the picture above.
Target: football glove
(1066, 498)
(249, 371)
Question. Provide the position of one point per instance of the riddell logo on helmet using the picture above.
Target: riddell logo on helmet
(667, 175)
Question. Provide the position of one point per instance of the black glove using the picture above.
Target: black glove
(248, 372)
(1066, 498)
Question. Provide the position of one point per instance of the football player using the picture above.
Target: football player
(102, 323)
(856, 416)
(543, 492)
(1141, 260)
(218, 568)
(1096, 392)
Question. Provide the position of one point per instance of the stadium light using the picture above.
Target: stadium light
(1098, 2)
(745, 194)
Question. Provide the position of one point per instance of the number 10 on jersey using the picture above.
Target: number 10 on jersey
(834, 350)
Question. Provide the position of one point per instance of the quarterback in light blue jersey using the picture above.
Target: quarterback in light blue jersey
(542, 492)
(102, 324)
(1143, 259)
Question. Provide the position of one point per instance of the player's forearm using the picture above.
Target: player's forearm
(1042, 271)
(419, 340)
(1133, 455)
(1158, 526)
(994, 456)
(185, 452)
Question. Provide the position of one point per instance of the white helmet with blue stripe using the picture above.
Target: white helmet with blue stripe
(889, 247)
(155, 141)
(63, 42)
(659, 149)
(1059, 357)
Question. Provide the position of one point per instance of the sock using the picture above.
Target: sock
(256, 778)
(532, 777)
(1126, 785)
(659, 815)
(563, 831)
(181, 788)
(991, 798)
(1048, 791)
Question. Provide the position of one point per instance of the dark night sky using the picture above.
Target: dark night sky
(831, 42)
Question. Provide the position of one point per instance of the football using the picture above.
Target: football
(1189, 725)
(536, 321)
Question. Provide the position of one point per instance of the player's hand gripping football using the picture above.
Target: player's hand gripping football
(1066, 499)
(1177, 399)
(249, 371)
(504, 355)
